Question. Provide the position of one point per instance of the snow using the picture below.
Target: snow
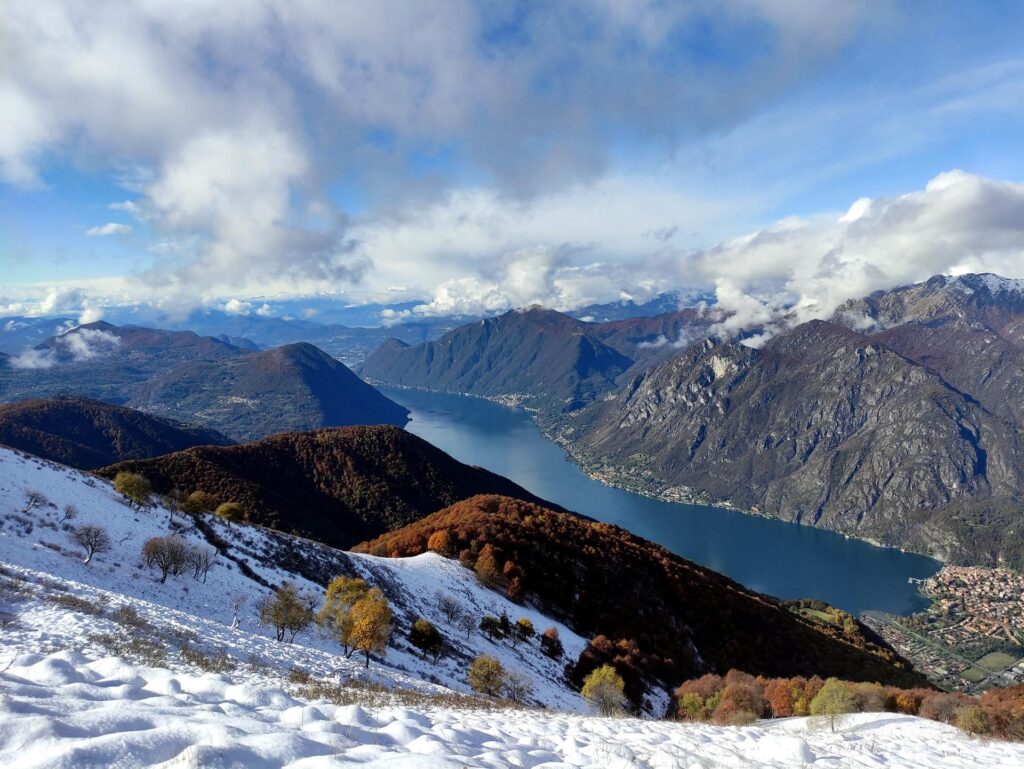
(67, 700)
(69, 711)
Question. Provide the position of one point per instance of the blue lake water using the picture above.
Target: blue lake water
(782, 559)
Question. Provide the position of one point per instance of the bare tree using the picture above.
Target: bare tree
(93, 538)
(449, 607)
(70, 512)
(467, 623)
(201, 559)
(236, 606)
(516, 687)
(33, 499)
(169, 554)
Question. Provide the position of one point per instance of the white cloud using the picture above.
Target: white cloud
(34, 359)
(237, 307)
(88, 343)
(803, 268)
(110, 228)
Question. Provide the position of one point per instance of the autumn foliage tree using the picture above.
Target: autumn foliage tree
(835, 699)
(441, 542)
(230, 511)
(486, 675)
(425, 637)
(371, 623)
(487, 567)
(603, 689)
(551, 643)
(287, 611)
(133, 487)
(334, 617)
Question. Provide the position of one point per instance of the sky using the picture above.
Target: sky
(488, 155)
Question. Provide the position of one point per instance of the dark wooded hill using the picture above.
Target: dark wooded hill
(87, 434)
(662, 618)
(339, 486)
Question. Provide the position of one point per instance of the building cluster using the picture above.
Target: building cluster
(974, 611)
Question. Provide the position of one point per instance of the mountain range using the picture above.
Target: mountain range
(898, 420)
(183, 376)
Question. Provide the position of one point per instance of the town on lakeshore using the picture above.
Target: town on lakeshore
(971, 637)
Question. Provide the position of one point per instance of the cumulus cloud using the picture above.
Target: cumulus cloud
(34, 359)
(88, 343)
(110, 228)
(231, 123)
(803, 268)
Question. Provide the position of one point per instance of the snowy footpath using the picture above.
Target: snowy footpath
(67, 711)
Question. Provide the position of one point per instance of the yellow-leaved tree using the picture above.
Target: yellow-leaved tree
(371, 623)
(335, 616)
(603, 689)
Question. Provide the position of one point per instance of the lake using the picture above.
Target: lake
(782, 559)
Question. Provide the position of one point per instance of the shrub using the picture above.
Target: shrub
(973, 720)
(486, 675)
(741, 701)
(199, 502)
(425, 637)
(133, 487)
(230, 511)
(870, 698)
(942, 707)
(551, 643)
(603, 689)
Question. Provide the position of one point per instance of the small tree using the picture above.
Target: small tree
(486, 675)
(199, 502)
(603, 689)
(449, 607)
(230, 511)
(517, 687)
(342, 593)
(467, 623)
(522, 630)
(441, 542)
(287, 611)
(169, 554)
(490, 626)
(487, 570)
(69, 513)
(133, 487)
(551, 643)
(93, 538)
(425, 637)
(371, 623)
(834, 700)
(201, 559)
(33, 499)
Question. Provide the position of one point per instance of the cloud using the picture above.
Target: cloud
(88, 343)
(34, 359)
(110, 228)
(237, 307)
(233, 124)
(798, 269)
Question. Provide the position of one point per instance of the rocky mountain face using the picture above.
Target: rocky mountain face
(539, 357)
(828, 426)
(87, 434)
(339, 486)
(183, 376)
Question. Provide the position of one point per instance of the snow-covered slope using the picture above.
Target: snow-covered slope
(40, 548)
(66, 711)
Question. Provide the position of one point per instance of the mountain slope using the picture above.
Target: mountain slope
(87, 434)
(541, 358)
(674, 619)
(827, 427)
(293, 387)
(339, 486)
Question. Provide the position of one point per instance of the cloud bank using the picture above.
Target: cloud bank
(799, 269)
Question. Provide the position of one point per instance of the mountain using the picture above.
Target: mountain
(650, 339)
(183, 376)
(539, 357)
(86, 434)
(105, 661)
(339, 486)
(666, 618)
(664, 303)
(18, 332)
(293, 387)
(824, 426)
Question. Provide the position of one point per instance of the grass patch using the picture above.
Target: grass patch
(208, 663)
(376, 695)
(135, 649)
(74, 603)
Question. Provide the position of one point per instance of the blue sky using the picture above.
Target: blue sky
(484, 156)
